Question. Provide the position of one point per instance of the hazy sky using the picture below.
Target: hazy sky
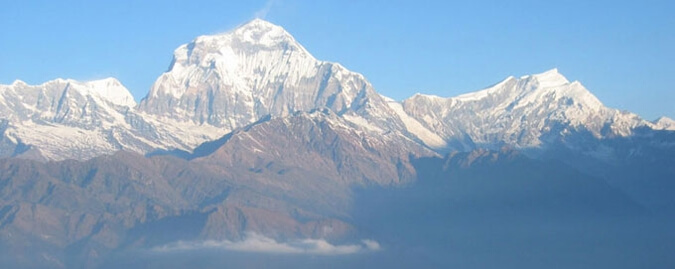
(623, 51)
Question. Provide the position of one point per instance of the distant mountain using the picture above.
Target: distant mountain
(665, 123)
(502, 209)
(67, 119)
(234, 79)
(528, 113)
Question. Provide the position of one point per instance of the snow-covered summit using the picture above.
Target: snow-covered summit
(665, 123)
(233, 79)
(112, 90)
(67, 119)
(242, 52)
(108, 89)
(521, 112)
(263, 33)
(548, 79)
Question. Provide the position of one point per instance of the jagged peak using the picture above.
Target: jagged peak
(258, 24)
(109, 82)
(553, 81)
(427, 96)
(110, 89)
(18, 82)
(256, 32)
(548, 79)
(664, 119)
(243, 51)
(527, 89)
(665, 123)
(472, 96)
(262, 32)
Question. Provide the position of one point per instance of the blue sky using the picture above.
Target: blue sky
(623, 51)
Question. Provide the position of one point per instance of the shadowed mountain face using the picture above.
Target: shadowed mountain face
(486, 209)
(480, 209)
(475, 209)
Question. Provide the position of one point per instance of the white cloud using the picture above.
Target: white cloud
(261, 244)
(262, 13)
(371, 244)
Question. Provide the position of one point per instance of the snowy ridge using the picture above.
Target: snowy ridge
(549, 79)
(110, 89)
(524, 113)
(233, 79)
(413, 126)
(219, 83)
(664, 123)
(254, 70)
(68, 119)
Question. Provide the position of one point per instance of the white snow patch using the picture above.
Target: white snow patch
(416, 128)
(359, 121)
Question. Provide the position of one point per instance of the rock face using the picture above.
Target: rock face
(284, 177)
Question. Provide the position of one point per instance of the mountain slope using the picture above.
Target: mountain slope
(529, 112)
(285, 178)
(234, 79)
(502, 209)
(67, 119)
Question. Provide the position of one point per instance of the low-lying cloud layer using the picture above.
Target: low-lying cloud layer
(256, 243)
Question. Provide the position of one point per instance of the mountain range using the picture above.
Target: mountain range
(247, 135)
(216, 84)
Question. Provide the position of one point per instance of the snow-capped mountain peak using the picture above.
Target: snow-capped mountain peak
(520, 112)
(256, 34)
(261, 32)
(255, 52)
(18, 82)
(665, 123)
(66, 118)
(109, 89)
(233, 79)
(548, 79)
